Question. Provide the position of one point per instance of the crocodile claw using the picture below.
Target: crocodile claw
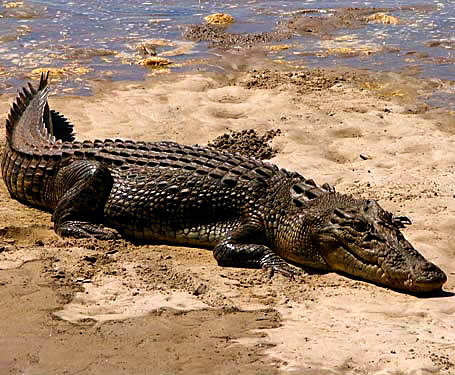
(282, 268)
(80, 229)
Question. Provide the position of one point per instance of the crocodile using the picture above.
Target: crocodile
(252, 213)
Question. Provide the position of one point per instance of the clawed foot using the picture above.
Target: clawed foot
(280, 267)
(81, 229)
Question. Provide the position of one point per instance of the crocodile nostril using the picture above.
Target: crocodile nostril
(431, 273)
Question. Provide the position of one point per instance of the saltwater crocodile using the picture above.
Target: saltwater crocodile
(252, 213)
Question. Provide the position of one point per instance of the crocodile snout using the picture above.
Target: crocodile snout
(429, 277)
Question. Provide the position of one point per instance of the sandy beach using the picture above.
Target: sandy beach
(112, 307)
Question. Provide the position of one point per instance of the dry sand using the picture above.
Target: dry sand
(93, 307)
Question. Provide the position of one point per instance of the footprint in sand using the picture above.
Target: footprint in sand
(228, 102)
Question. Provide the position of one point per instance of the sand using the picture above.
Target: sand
(94, 307)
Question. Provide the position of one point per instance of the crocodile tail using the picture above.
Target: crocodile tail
(62, 128)
(31, 123)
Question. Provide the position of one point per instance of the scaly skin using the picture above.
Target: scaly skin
(252, 213)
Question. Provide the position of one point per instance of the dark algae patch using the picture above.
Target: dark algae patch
(217, 36)
(306, 80)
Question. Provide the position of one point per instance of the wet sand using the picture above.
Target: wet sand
(94, 307)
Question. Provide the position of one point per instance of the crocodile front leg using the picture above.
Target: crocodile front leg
(85, 187)
(237, 250)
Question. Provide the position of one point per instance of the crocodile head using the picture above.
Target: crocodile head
(359, 238)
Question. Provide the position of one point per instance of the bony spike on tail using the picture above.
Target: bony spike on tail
(31, 118)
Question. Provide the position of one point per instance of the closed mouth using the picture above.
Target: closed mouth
(375, 272)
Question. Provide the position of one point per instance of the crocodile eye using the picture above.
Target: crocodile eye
(360, 226)
(372, 237)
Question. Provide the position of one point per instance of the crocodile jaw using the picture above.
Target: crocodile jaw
(397, 267)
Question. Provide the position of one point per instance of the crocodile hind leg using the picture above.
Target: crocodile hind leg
(86, 186)
(237, 250)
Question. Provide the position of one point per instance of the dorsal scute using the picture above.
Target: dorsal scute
(63, 129)
(25, 120)
(31, 124)
(304, 191)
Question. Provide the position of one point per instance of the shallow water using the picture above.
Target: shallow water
(98, 38)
